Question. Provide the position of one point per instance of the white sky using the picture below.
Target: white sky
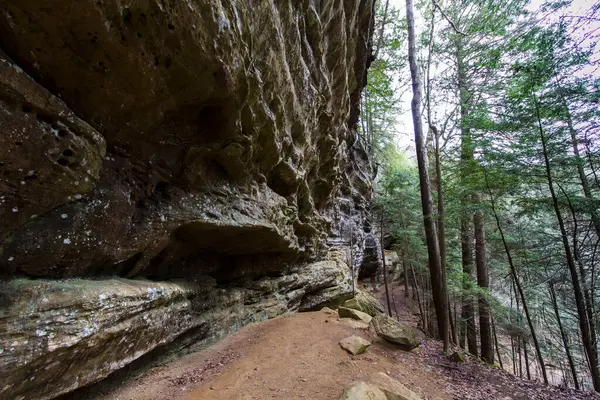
(404, 128)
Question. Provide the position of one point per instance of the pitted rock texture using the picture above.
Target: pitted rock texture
(211, 143)
(232, 115)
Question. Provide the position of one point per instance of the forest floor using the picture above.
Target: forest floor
(298, 357)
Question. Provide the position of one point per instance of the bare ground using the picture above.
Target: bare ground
(298, 357)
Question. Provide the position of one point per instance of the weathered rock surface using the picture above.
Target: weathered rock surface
(379, 387)
(393, 389)
(393, 264)
(224, 134)
(208, 143)
(355, 324)
(355, 314)
(396, 332)
(57, 336)
(363, 391)
(363, 301)
(328, 310)
(355, 345)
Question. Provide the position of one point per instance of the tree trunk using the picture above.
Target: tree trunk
(526, 359)
(441, 221)
(466, 234)
(452, 326)
(520, 360)
(455, 314)
(513, 271)
(385, 278)
(438, 285)
(381, 30)
(587, 295)
(496, 343)
(483, 280)
(514, 356)
(563, 335)
(582, 178)
(469, 328)
(416, 291)
(581, 308)
(405, 267)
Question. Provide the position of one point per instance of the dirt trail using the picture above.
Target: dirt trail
(290, 357)
(298, 357)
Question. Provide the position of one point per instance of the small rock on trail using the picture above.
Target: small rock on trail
(396, 332)
(354, 314)
(355, 345)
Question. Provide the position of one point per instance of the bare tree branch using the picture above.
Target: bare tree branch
(448, 19)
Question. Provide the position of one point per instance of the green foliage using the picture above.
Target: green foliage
(381, 101)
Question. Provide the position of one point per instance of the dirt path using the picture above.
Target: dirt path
(291, 357)
(298, 357)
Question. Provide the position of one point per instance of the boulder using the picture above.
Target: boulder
(355, 345)
(366, 303)
(328, 310)
(396, 332)
(392, 389)
(354, 314)
(363, 391)
(355, 324)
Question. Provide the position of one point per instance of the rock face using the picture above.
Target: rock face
(210, 143)
(396, 332)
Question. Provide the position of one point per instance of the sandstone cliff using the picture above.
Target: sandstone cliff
(172, 167)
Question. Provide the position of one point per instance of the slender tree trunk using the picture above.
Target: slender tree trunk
(468, 312)
(405, 267)
(452, 326)
(496, 343)
(587, 294)
(581, 172)
(466, 233)
(520, 359)
(513, 271)
(382, 29)
(455, 313)
(385, 277)
(526, 358)
(416, 291)
(514, 356)
(414, 285)
(579, 300)
(394, 304)
(438, 285)
(438, 173)
(512, 341)
(483, 280)
(563, 335)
